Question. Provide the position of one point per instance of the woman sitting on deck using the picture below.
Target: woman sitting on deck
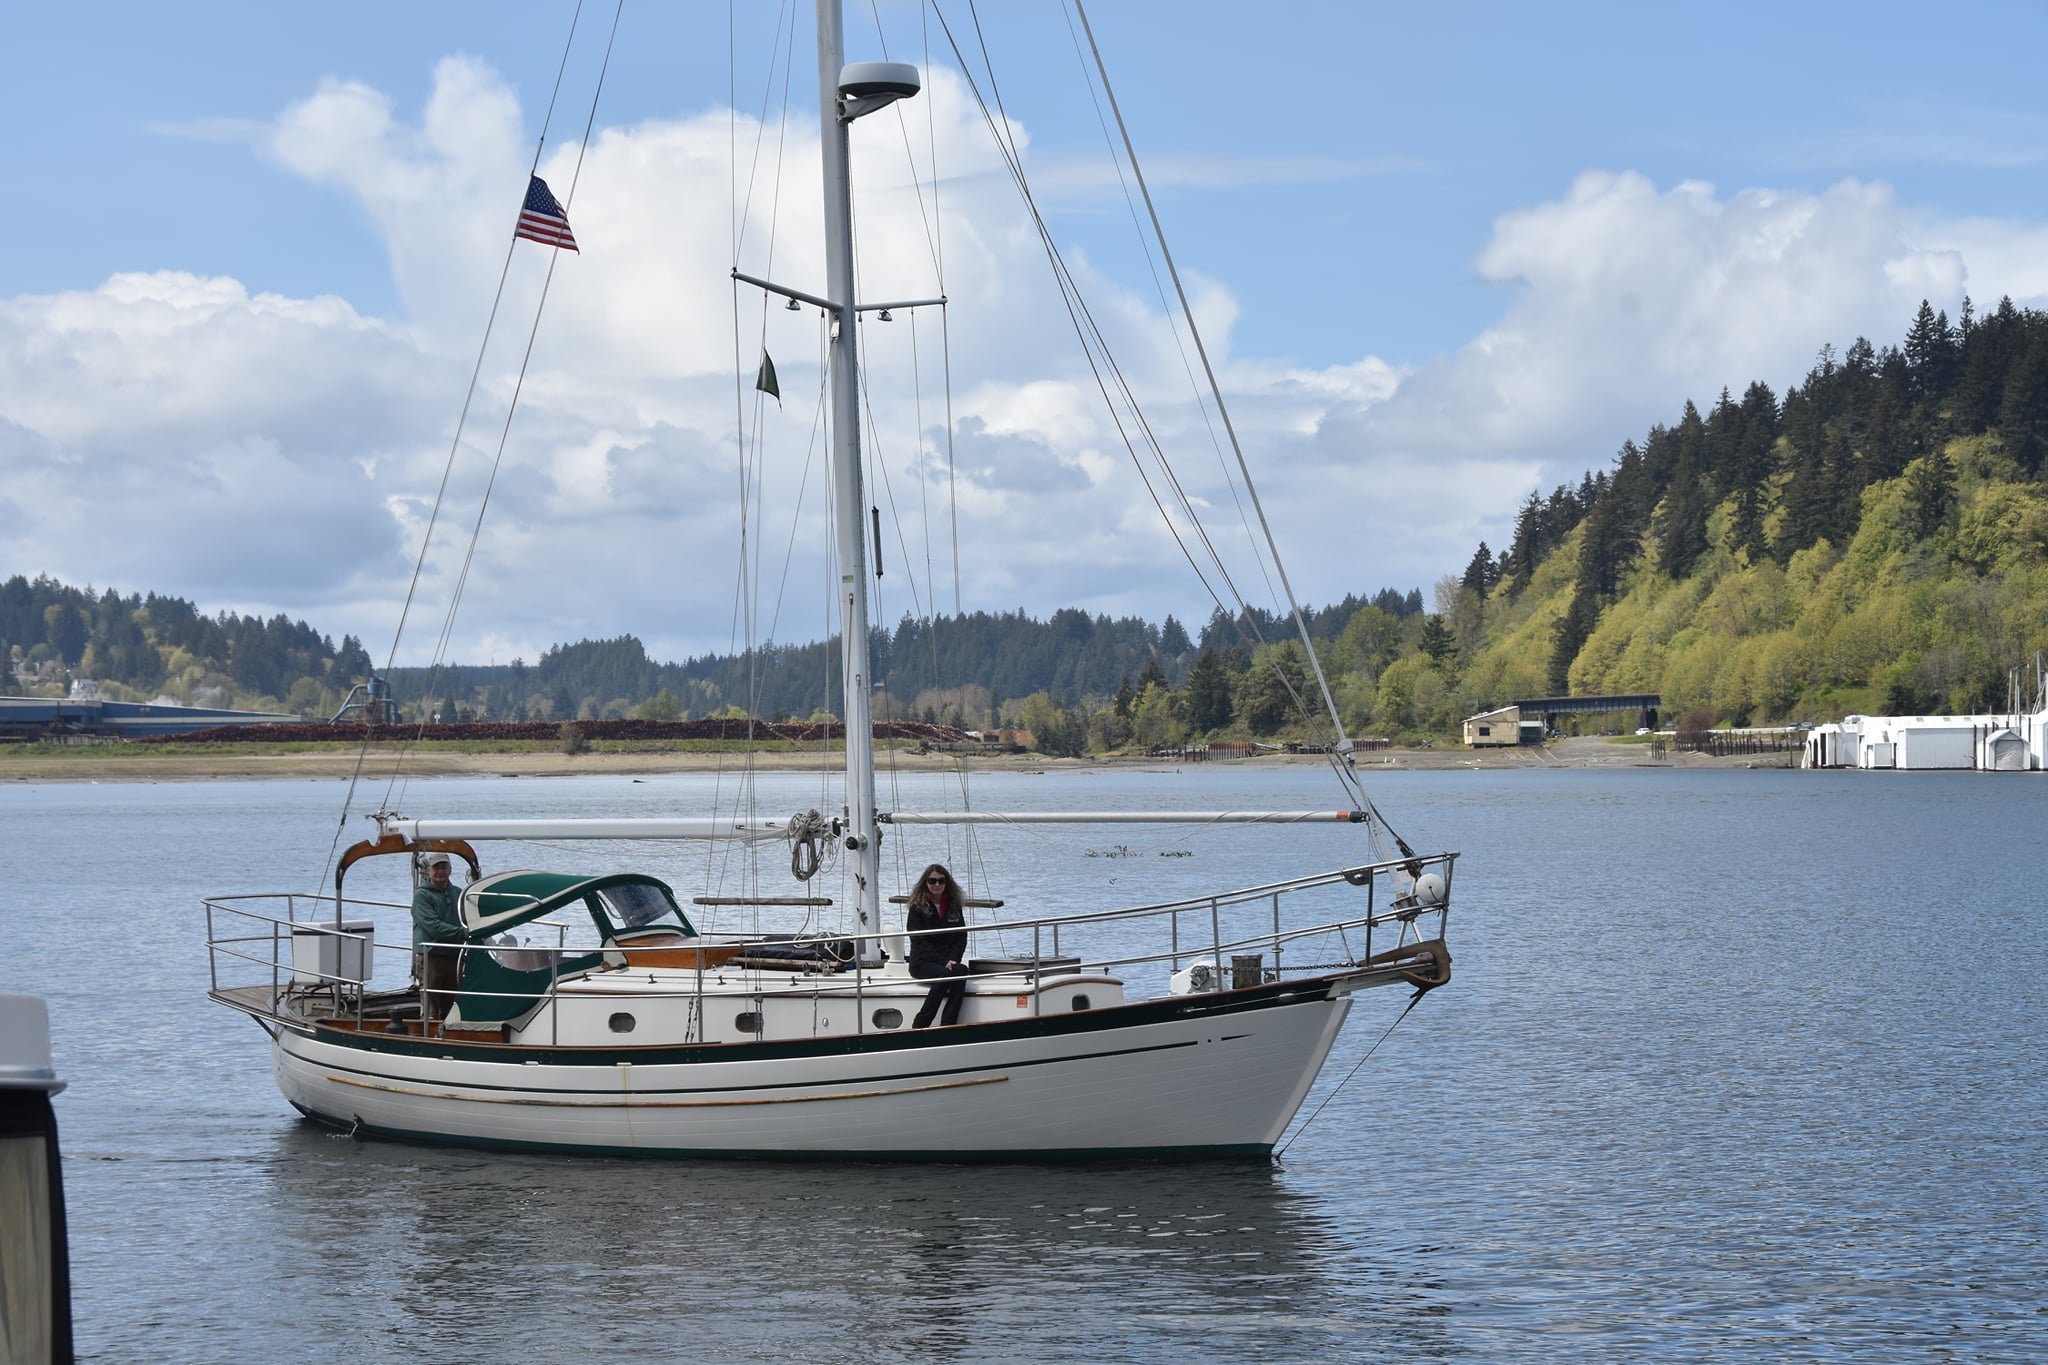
(935, 904)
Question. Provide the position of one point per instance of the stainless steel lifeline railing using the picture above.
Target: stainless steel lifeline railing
(264, 963)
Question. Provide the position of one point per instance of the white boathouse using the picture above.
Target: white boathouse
(1987, 743)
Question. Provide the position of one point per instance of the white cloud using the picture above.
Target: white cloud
(1628, 300)
(177, 433)
(172, 432)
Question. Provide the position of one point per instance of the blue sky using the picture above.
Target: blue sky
(1446, 255)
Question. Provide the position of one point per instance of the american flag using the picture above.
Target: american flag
(542, 219)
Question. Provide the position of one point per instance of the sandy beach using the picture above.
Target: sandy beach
(136, 764)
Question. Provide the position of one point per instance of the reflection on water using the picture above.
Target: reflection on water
(439, 1249)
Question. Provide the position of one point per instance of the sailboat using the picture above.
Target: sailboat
(591, 1014)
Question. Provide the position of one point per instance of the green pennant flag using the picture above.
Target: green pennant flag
(765, 381)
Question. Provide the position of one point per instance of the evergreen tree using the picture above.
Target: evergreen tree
(2023, 410)
(1205, 700)
(1560, 514)
(1749, 468)
(1722, 445)
(1173, 639)
(1525, 552)
(1888, 435)
(64, 630)
(1605, 549)
(1931, 488)
(1988, 348)
(1684, 528)
(351, 664)
(1479, 573)
(1845, 473)
(1930, 356)
(1438, 642)
(1629, 490)
(1267, 694)
(1821, 493)
(1573, 629)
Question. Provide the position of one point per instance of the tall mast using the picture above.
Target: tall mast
(844, 94)
(862, 835)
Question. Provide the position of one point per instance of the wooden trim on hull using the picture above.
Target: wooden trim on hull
(642, 1101)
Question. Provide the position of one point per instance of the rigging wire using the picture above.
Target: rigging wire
(455, 446)
(1094, 343)
(752, 457)
(1165, 307)
(751, 464)
(1106, 368)
(931, 123)
(1413, 1001)
(1272, 547)
(518, 387)
(1222, 410)
(1095, 350)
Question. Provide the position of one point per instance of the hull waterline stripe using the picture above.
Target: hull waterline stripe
(627, 1101)
(607, 1094)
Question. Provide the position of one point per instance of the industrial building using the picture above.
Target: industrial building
(33, 718)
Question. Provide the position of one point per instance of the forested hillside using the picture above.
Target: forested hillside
(141, 647)
(1874, 540)
(978, 670)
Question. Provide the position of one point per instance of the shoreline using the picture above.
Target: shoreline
(128, 766)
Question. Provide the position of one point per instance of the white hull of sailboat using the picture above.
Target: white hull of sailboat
(1196, 1078)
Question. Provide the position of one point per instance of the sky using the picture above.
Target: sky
(1439, 257)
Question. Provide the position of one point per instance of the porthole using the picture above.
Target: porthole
(1080, 1002)
(622, 1023)
(888, 1018)
(750, 1022)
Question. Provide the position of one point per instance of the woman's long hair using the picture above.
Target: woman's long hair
(921, 895)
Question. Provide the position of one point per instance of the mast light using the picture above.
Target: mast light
(867, 86)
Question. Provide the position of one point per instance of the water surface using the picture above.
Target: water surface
(1737, 1065)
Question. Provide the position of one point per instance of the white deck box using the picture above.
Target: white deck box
(325, 952)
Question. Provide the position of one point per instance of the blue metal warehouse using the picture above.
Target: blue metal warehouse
(41, 717)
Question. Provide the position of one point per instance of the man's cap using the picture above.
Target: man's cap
(433, 858)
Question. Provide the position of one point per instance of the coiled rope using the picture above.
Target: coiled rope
(807, 835)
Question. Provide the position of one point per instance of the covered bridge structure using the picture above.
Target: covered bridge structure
(1641, 705)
